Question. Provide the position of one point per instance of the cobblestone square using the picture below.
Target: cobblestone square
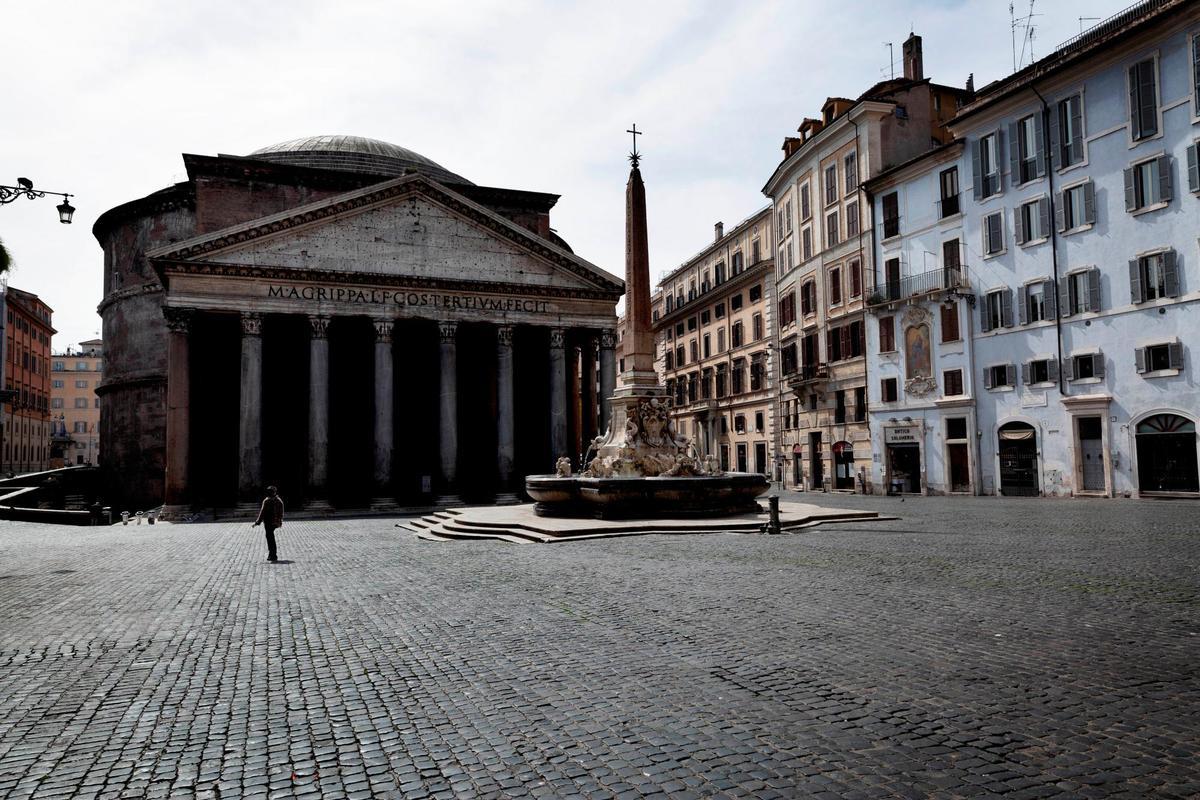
(974, 647)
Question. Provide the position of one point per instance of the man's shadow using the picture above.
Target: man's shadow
(281, 561)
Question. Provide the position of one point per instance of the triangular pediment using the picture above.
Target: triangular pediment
(407, 228)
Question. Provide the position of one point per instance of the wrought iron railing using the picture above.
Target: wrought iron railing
(808, 373)
(935, 280)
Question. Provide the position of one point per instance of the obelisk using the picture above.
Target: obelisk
(637, 346)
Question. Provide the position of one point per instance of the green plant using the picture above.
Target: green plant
(6, 261)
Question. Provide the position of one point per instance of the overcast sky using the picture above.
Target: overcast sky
(100, 99)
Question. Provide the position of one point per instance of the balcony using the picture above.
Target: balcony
(808, 376)
(925, 283)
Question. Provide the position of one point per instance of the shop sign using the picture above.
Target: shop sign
(902, 434)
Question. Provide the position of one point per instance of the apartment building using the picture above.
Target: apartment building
(74, 405)
(1080, 224)
(713, 328)
(26, 428)
(825, 268)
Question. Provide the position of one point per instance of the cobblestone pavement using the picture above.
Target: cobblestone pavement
(975, 647)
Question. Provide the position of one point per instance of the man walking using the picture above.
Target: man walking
(271, 517)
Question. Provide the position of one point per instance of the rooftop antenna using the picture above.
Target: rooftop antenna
(1087, 19)
(1027, 36)
(891, 59)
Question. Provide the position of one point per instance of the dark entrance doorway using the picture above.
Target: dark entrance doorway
(1091, 454)
(797, 466)
(1018, 460)
(843, 465)
(760, 458)
(1166, 453)
(816, 468)
(904, 468)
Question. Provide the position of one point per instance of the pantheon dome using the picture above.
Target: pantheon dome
(355, 154)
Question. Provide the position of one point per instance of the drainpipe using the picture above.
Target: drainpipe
(976, 438)
(1053, 234)
(863, 293)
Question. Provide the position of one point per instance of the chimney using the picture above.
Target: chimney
(971, 85)
(719, 230)
(913, 67)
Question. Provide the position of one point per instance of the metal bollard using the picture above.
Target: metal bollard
(139, 517)
(150, 517)
(772, 526)
(124, 517)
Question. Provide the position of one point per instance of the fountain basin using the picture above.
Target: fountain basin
(646, 498)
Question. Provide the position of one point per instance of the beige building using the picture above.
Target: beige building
(75, 406)
(824, 266)
(713, 323)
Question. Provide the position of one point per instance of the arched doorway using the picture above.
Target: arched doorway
(1018, 460)
(1166, 453)
(843, 465)
(797, 466)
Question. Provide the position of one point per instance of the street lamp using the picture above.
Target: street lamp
(24, 188)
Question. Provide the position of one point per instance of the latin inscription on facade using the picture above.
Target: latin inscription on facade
(465, 302)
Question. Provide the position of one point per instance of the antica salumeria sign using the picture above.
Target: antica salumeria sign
(465, 302)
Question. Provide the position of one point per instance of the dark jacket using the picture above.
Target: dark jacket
(271, 513)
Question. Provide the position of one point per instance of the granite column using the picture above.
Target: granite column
(250, 456)
(448, 413)
(178, 410)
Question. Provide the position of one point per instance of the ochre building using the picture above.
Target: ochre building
(76, 373)
(27, 379)
(348, 320)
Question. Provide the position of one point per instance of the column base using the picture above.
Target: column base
(318, 505)
(174, 513)
(247, 509)
(447, 501)
(508, 499)
(388, 504)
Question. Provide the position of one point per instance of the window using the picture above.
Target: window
(692, 387)
(735, 339)
(844, 342)
(679, 357)
(81, 402)
(887, 390)
(691, 324)
(891, 215)
(850, 168)
(1066, 131)
(852, 220)
(739, 424)
(1196, 73)
(669, 360)
(721, 381)
(1148, 183)
(756, 327)
(1039, 370)
(948, 203)
(787, 309)
(952, 383)
(993, 233)
(887, 334)
(1153, 277)
(735, 302)
(839, 407)
(1076, 207)
(1028, 157)
(1083, 367)
(1032, 221)
(1036, 302)
(58, 384)
(755, 293)
(679, 329)
(891, 276)
(1158, 357)
(789, 359)
(739, 376)
(950, 332)
(997, 310)
(758, 422)
(956, 428)
(805, 203)
(704, 317)
(56, 402)
(835, 286)
(719, 311)
(81, 384)
(808, 297)
(756, 251)
(860, 404)
(79, 427)
(986, 165)
(97, 400)
(831, 184)
(758, 373)
(719, 271)
(1193, 161)
(787, 220)
(1080, 292)
(720, 340)
(806, 247)
(1143, 100)
(832, 231)
(707, 345)
(854, 268)
(999, 377)
(694, 346)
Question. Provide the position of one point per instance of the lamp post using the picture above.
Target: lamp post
(24, 188)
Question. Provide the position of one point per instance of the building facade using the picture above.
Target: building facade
(350, 321)
(825, 269)
(76, 374)
(1081, 223)
(27, 334)
(713, 327)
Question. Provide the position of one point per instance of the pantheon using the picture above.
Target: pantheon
(348, 320)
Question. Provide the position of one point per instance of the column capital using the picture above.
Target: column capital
(383, 328)
(319, 325)
(448, 331)
(251, 323)
(179, 320)
(504, 335)
(608, 339)
(558, 338)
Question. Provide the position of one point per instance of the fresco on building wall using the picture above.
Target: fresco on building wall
(916, 352)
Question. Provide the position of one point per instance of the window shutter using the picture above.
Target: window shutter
(1006, 317)
(1135, 281)
(1068, 368)
(1098, 365)
(845, 334)
(1014, 154)
(987, 377)
(1060, 211)
(1025, 373)
(1193, 156)
(1076, 109)
(977, 169)
(1023, 304)
(1093, 285)
(1010, 374)
(1064, 297)
(1043, 217)
(996, 233)
(1089, 203)
(1164, 179)
(985, 319)
(1170, 274)
(1175, 355)
(1148, 122)
(1039, 147)
(1055, 145)
(1130, 196)
(1049, 299)
(829, 347)
(987, 227)
(1019, 225)
(1135, 115)
(1052, 370)
(1139, 356)
(999, 185)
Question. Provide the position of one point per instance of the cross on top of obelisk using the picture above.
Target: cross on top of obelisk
(634, 157)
